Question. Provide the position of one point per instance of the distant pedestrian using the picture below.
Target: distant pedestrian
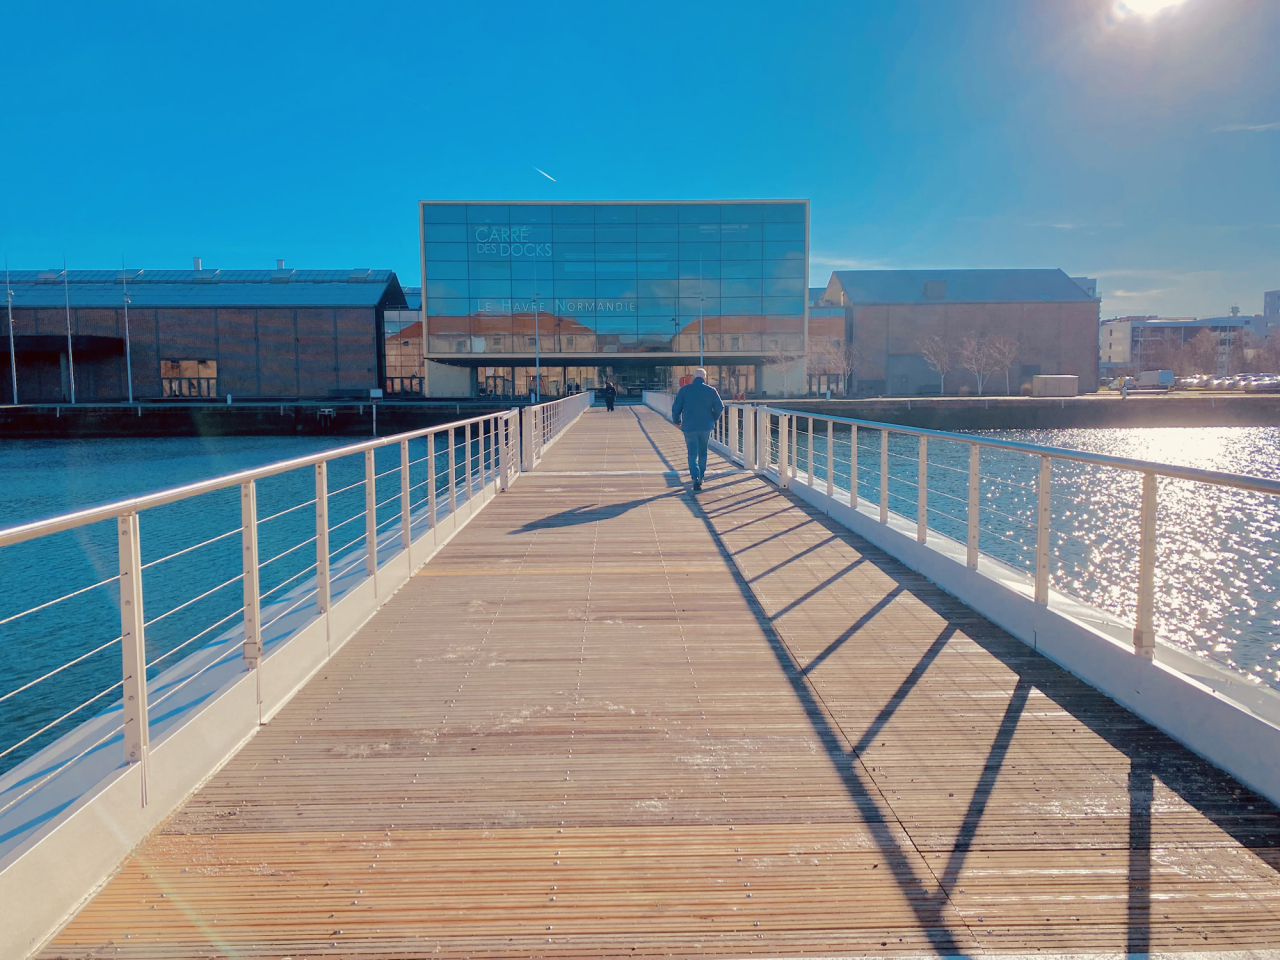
(1124, 388)
(696, 410)
(610, 395)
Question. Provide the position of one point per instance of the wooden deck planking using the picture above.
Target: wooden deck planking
(612, 720)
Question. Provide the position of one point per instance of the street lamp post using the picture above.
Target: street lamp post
(128, 356)
(13, 357)
(71, 361)
(701, 357)
(537, 353)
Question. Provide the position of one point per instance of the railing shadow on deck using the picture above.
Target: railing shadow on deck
(1152, 755)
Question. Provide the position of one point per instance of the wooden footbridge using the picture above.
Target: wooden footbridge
(612, 718)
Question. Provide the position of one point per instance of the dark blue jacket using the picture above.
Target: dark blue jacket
(697, 407)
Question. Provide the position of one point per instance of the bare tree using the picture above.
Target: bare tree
(940, 354)
(784, 356)
(1003, 353)
(834, 357)
(1267, 357)
(976, 356)
(1202, 351)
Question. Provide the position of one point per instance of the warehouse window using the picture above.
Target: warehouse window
(189, 378)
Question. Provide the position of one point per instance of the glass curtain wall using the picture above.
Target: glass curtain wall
(614, 279)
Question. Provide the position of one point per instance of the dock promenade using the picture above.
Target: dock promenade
(612, 718)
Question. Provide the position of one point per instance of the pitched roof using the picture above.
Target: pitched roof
(955, 286)
(207, 288)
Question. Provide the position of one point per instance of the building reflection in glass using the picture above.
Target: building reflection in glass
(624, 291)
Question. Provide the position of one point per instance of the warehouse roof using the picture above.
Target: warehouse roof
(207, 288)
(953, 286)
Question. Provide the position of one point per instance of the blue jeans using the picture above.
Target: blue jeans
(696, 441)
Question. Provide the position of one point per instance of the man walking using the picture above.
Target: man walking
(696, 409)
(610, 394)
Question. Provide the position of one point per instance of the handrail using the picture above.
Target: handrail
(106, 511)
(493, 460)
(1240, 481)
(767, 439)
(482, 452)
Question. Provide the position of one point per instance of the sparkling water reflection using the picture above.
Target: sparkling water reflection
(1217, 572)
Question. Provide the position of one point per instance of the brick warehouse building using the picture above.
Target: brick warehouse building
(1053, 319)
(198, 333)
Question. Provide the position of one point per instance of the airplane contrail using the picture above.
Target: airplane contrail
(547, 175)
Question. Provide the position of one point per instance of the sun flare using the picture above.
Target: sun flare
(1145, 8)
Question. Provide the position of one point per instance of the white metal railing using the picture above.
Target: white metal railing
(661, 402)
(543, 424)
(1081, 524)
(233, 576)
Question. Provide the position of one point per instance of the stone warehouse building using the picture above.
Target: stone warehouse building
(890, 314)
(199, 333)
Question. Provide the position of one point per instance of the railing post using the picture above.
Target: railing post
(971, 554)
(432, 517)
(466, 433)
(453, 472)
(322, 536)
(499, 450)
(831, 465)
(370, 516)
(853, 465)
(1042, 530)
(249, 569)
(922, 493)
(404, 493)
(784, 454)
(884, 475)
(813, 476)
(526, 439)
(133, 647)
(1144, 634)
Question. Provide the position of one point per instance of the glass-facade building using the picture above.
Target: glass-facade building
(631, 292)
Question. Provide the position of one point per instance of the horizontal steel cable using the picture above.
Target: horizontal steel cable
(47, 726)
(74, 593)
(938, 493)
(350, 486)
(62, 766)
(283, 512)
(348, 567)
(233, 652)
(350, 543)
(297, 546)
(188, 603)
(1007, 516)
(294, 606)
(1016, 543)
(1008, 483)
(221, 536)
(69, 663)
(348, 520)
(305, 570)
(214, 626)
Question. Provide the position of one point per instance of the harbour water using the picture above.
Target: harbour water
(1218, 573)
(1218, 549)
(190, 549)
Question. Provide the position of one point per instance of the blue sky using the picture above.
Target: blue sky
(1144, 151)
